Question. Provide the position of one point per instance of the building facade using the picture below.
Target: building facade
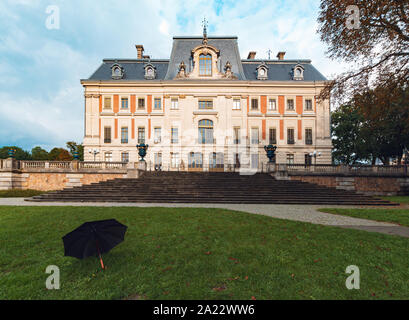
(205, 108)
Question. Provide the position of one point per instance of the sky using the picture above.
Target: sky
(47, 46)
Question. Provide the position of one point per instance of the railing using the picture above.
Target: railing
(402, 170)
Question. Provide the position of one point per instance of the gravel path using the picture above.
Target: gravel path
(304, 213)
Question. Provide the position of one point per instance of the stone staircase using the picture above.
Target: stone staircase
(213, 187)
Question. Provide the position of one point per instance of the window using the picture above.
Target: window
(141, 135)
(272, 136)
(308, 104)
(107, 103)
(254, 136)
(174, 160)
(108, 156)
(174, 105)
(308, 136)
(124, 103)
(254, 161)
(205, 65)
(205, 131)
(290, 136)
(216, 160)
(107, 135)
(141, 103)
(158, 104)
(158, 160)
(157, 135)
(236, 104)
(124, 135)
(174, 135)
(254, 104)
(290, 158)
(125, 157)
(205, 104)
(236, 132)
(195, 160)
(290, 104)
(272, 105)
(308, 159)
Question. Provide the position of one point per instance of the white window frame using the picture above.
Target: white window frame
(174, 104)
(234, 106)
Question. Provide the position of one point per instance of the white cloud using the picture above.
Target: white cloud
(164, 27)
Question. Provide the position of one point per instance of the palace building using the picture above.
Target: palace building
(206, 108)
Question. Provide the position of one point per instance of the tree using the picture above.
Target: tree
(378, 44)
(60, 154)
(38, 153)
(20, 154)
(73, 146)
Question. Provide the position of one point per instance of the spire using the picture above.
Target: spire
(204, 23)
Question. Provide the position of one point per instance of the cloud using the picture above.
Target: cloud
(40, 69)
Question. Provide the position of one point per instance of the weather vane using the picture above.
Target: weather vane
(204, 24)
(269, 52)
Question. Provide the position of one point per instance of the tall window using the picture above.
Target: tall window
(308, 104)
(254, 104)
(236, 132)
(107, 103)
(308, 136)
(290, 136)
(254, 161)
(290, 158)
(216, 160)
(174, 104)
(108, 156)
(254, 136)
(205, 104)
(236, 104)
(174, 160)
(158, 104)
(157, 135)
(124, 135)
(290, 104)
(141, 103)
(195, 160)
(107, 135)
(272, 105)
(141, 135)
(205, 65)
(272, 136)
(174, 135)
(205, 131)
(308, 159)
(124, 103)
(125, 157)
(158, 159)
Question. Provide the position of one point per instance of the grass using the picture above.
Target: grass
(399, 216)
(197, 253)
(16, 193)
(398, 199)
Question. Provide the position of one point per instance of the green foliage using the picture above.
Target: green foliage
(15, 193)
(59, 154)
(19, 155)
(38, 153)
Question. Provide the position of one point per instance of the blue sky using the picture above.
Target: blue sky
(40, 68)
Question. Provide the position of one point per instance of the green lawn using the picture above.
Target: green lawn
(398, 216)
(186, 253)
(399, 199)
(15, 193)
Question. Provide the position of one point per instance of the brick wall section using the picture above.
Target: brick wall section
(375, 184)
(322, 181)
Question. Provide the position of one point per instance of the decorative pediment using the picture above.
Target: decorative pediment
(181, 71)
(117, 71)
(262, 71)
(298, 72)
(150, 71)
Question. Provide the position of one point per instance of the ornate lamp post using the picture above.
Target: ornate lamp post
(94, 152)
(314, 155)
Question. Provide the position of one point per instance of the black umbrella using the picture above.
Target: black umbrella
(94, 238)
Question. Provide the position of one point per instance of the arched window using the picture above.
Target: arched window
(205, 65)
(205, 131)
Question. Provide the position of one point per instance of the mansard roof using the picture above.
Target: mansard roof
(243, 69)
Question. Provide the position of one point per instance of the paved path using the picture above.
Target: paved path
(304, 213)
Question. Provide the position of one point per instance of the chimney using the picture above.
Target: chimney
(140, 50)
(252, 55)
(281, 55)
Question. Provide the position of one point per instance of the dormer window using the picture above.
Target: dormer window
(117, 71)
(150, 72)
(298, 72)
(205, 65)
(262, 70)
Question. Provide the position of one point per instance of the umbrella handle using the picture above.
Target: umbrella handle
(100, 257)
